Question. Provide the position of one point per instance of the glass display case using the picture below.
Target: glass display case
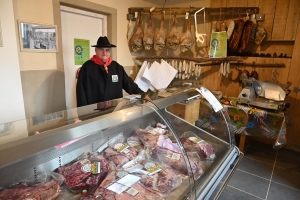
(141, 150)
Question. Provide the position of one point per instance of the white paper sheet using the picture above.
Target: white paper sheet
(124, 183)
(128, 180)
(162, 76)
(117, 188)
(143, 78)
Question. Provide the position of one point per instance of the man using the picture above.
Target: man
(102, 79)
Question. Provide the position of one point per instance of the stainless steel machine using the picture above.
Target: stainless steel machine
(24, 159)
(267, 95)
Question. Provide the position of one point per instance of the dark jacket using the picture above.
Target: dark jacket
(94, 85)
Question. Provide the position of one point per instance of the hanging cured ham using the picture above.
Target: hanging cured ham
(160, 38)
(130, 27)
(148, 39)
(173, 38)
(187, 40)
(137, 39)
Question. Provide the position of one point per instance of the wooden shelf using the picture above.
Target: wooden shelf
(235, 60)
(233, 11)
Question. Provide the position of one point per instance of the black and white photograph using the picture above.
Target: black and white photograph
(37, 37)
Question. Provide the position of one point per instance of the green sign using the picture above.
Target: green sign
(81, 51)
(218, 45)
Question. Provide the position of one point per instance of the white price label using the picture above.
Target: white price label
(132, 191)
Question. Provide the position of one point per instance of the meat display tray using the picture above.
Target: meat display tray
(38, 153)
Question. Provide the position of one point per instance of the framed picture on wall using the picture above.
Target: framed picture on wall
(1, 41)
(37, 37)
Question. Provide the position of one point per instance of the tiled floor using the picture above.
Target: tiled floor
(265, 174)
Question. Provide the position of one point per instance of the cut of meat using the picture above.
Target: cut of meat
(77, 179)
(48, 190)
(148, 139)
(204, 149)
(148, 39)
(163, 182)
(173, 38)
(102, 192)
(177, 163)
(137, 39)
(187, 40)
(120, 158)
(160, 38)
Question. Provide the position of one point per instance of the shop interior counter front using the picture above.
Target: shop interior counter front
(124, 149)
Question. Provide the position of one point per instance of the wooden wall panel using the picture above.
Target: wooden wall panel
(292, 19)
(241, 3)
(231, 3)
(267, 7)
(280, 19)
(253, 3)
(282, 73)
(293, 112)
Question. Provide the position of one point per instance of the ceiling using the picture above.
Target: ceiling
(170, 2)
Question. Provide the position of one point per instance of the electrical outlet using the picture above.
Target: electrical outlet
(260, 17)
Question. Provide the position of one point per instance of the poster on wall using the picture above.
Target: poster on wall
(37, 37)
(218, 45)
(81, 51)
(1, 42)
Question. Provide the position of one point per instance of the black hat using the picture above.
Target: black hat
(103, 42)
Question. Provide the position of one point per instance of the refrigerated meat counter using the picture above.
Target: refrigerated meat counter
(25, 159)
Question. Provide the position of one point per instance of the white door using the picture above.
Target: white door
(82, 25)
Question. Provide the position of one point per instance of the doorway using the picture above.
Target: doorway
(78, 24)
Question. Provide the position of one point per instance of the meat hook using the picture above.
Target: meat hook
(200, 36)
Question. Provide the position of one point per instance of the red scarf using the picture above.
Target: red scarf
(98, 61)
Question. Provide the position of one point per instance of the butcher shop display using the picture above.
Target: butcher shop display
(173, 38)
(136, 40)
(160, 38)
(148, 39)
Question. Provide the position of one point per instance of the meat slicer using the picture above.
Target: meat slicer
(267, 95)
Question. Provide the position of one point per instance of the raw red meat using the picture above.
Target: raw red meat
(148, 139)
(41, 191)
(179, 165)
(76, 179)
(102, 193)
(162, 182)
(120, 158)
(204, 149)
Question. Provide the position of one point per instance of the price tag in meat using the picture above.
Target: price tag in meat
(152, 168)
(132, 191)
(195, 140)
(174, 156)
(120, 147)
(96, 168)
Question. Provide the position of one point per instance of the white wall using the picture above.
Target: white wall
(11, 97)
